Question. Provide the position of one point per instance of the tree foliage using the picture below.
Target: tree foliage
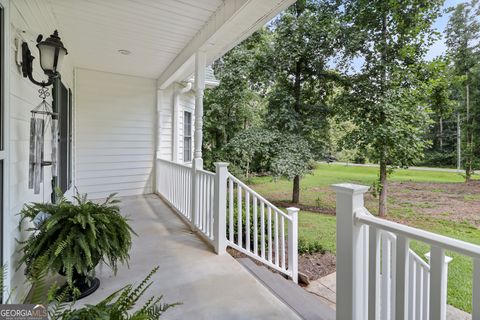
(304, 39)
(462, 38)
(382, 98)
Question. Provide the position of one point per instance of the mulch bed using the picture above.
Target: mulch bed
(317, 265)
(314, 266)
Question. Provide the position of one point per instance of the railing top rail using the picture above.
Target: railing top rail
(206, 172)
(469, 249)
(268, 203)
(418, 259)
(175, 163)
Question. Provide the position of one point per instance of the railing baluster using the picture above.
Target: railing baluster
(247, 220)
(411, 286)
(262, 226)
(393, 282)
(201, 200)
(418, 292)
(386, 280)
(476, 290)
(282, 230)
(239, 215)
(230, 209)
(426, 294)
(401, 276)
(210, 208)
(205, 195)
(373, 267)
(255, 226)
(269, 232)
(275, 229)
(205, 203)
(212, 192)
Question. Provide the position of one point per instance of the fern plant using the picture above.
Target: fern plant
(117, 306)
(72, 238)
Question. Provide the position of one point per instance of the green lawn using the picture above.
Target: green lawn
(314, 226)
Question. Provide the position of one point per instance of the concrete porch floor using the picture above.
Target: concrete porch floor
(209, 286)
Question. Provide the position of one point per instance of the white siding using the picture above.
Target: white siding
(165, 116)
(35, 17)
(165, 111)
(115, 121)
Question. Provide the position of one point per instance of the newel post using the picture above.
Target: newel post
(352, 272)
(438, 287)
(293, 243)
(220, 207)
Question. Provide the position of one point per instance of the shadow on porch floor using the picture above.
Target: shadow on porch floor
(208, 285)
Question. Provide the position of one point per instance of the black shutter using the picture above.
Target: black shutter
(63, 138)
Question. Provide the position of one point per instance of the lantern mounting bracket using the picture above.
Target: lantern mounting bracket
(51, 52)
(27, 67)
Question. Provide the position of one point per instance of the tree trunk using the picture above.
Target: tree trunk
(441, 133)
(296, 190)
(469, 153)
(459, 143)
(297, 93)
(382, 202)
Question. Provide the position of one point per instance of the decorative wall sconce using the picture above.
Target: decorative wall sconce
(52, 53)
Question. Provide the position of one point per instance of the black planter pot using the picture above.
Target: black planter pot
(85, 284)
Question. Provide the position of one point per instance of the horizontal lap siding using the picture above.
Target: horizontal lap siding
(35, 17)
(115, 133)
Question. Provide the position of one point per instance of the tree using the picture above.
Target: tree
(382, 100)
(282, 154)
(462, 36)
(303, 41)
(439, 82)
(235, 104)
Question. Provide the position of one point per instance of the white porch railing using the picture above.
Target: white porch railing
(379, 277)
(226, 212)
(257, 228)
(418, 280)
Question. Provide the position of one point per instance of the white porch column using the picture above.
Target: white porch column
(351, 253)
(200, 64)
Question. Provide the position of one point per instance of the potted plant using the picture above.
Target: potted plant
(72, 238)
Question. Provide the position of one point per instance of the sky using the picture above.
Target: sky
(439, 47)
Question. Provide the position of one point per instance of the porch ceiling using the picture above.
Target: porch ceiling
(162, 35)
(155, 31)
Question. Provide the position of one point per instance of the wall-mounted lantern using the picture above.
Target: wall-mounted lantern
(52, 53)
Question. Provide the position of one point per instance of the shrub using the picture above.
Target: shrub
(310, 247)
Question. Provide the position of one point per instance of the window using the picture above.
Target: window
(63, 105)
(187, 136)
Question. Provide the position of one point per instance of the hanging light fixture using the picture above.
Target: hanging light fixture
(52, 53)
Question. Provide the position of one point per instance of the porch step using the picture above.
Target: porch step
(305, 304)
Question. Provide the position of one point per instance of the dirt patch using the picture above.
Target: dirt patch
(459, 202)
(317, 265)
